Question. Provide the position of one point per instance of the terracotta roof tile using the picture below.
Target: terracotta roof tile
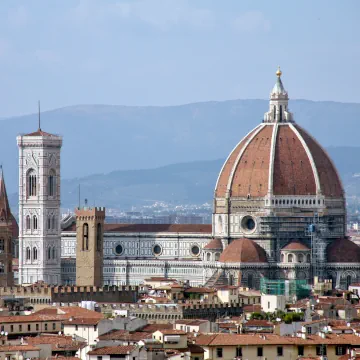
(295, 245)
(154, 228)
(4, 348)
(39, 132)
(214, 244)
(228, 166)
(150, 328)
(292, 171)
(245, 251)
(343, 251)
(125, 335)
(113, 350)
(172, 332)
(57, 342)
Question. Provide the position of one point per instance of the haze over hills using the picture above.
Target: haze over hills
(182, 183)
(102, 139)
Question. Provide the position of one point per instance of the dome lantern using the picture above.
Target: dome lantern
(278, 111)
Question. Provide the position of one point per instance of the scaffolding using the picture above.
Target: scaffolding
(292, 289)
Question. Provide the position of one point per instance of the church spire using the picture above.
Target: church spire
(279, 99)
(5, 212)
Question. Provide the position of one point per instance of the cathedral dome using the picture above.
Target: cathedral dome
(278, 158)
(343, 251)
(243, 251)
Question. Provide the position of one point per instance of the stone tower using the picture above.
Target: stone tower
(89, 246)
(6, 223)
(39, 208)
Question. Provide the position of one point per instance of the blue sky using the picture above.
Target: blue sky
(167, 52)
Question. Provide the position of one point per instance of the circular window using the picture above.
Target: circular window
(195, 250)
(118, 249)
(248, 224)
(157, 249)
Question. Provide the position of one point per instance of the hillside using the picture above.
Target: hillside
(99, 138)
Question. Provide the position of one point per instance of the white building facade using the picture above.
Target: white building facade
(39, 208)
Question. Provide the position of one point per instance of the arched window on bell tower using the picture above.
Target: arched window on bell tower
(85, 240)
(31, 181)
(28, 253)
(98, 237)
(35, 222)
(52, 183)
(28, 222)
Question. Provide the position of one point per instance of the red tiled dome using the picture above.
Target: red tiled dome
(343, 251)
(245, 251)
(214, 244)
(295, 245)
(282, 159)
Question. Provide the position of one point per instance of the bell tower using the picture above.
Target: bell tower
(89, 246)
(39, 207)
(6, 224)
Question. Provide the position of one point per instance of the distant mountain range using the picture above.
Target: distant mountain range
(182, 183)
(99, 139)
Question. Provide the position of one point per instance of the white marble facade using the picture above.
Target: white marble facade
(39, 208)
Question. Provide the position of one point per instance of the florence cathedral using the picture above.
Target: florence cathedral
(279, 213)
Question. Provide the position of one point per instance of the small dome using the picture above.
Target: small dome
(214, 244)
(295, 245)
(343, 251)
(243, 251)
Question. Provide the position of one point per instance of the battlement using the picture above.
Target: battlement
(73, 293)
(86, 212)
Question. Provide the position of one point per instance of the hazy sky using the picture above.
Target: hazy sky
(166, 52)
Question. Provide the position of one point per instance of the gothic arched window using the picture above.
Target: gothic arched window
(28, 253)
(35, 253)
(85, 242)
(300, 258)
(49, 222)
(217, 256)
(28, 222)
(51, 183)
(290, 258)
(31, 183)
(250, 281)
(53, 220)
(49, 253)
(98, 237)
(208, 256)
(35, 222)
(348, 281)
(2, 245)
(54, 253)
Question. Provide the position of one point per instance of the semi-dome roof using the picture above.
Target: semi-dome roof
(214, 244)
(244, 251)
(295, 245)
(343, 251)
(278, 157)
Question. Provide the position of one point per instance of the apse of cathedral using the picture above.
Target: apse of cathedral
(279, 213)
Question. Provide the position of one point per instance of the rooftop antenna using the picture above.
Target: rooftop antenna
(39, 115)
(79, 197)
